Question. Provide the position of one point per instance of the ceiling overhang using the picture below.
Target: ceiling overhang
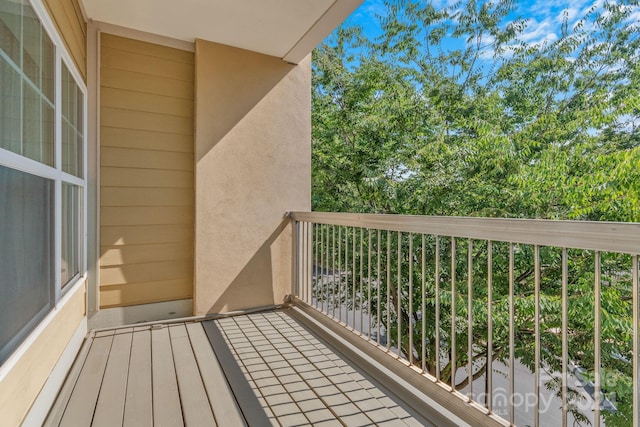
(288, 29)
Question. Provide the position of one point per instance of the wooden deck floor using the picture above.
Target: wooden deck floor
(258, 369)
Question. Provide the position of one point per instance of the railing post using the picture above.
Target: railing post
(295, 246)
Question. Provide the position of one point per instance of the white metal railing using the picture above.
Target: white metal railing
(532, 321)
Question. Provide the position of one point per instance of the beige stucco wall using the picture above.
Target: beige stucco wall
(253, 164)
(23, 382)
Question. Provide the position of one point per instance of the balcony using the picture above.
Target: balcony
(391, 318)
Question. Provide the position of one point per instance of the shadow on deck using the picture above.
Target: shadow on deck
(256, 369)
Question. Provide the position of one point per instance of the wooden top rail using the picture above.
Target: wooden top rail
(599, 236)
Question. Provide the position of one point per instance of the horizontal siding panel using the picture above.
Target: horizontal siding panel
(121, 177)
(150, 103)
(146, 234)
(139, 63)
(128, 80)
(146, 215)
(145, 140)
(145, 159)
(132, 196)
(146, 48)
(145, 293)
(149, 272)
(136, 254)
(141, 120)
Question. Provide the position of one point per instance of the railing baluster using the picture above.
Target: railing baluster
(424, 307)
(536, 261)
(378, 283)
(369, 285)
(361, 281)
(296, 235)
(328, 259)
(346, 275)
(305, 257)
(453, 361)
(470, 317)
(437, 325)
(399, 286)
(353, 304)
(310, 244)
(511, 334)
(320, 291)
(596, 338)
(302, 259)
(314, 289)
(339, 273)
(410, 299)
(388, 290)
(333, 271)
(565, 334)
(489, 361)
(636, 343)
(309, 253)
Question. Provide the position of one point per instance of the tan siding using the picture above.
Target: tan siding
(139, 62)
(138, 82)
(145, 293)
(134, 177)
(141, 120)
(149, 271)
(68, 18)
(145, 140)
(127, 196)
(146, 173)
(137, 46)
(145, 159)
(145, 234)
(150, 103)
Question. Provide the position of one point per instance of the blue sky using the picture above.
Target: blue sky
(544, 16)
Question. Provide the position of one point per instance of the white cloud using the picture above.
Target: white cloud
(538, 32)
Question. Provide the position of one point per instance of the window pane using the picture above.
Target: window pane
(38, 127)
(10, 117)
(37, 57)
(10, 29)
(27, 75)
(71, 224)
(31, 45)
(26, 254)
(72, 130)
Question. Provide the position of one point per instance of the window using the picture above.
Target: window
(71, 245)
(42, 189)
(26, 253)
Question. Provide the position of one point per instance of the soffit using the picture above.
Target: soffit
(272, 27)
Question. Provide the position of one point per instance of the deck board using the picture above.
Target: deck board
(110, 407)
(256, 369)
(82, 403)
(221, 398)
(195, 403)
(166, 399)
(138, 410)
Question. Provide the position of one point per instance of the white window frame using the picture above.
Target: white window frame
(55, 173)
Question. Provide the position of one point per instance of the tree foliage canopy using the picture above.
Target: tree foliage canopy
(452, 112)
